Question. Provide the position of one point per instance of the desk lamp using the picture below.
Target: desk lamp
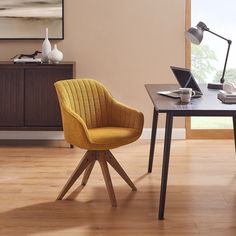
(195, 35)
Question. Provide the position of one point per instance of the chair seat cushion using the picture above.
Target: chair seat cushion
(111, 137)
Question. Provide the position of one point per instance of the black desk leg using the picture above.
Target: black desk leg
(71, 146)
(165, 164)
(153, 139)
(234, 124)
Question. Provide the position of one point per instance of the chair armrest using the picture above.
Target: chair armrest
(75, 129)
(124, 116)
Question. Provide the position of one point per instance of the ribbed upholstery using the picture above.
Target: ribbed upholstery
(87, 107)
(87, 99)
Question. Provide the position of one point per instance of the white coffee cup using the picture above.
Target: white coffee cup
(186, 94)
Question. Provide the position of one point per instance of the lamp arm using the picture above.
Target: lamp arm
(217, 35)
(222, 80)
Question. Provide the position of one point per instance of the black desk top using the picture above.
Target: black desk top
(207, 105)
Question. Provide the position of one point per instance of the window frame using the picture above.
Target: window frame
(199, 133)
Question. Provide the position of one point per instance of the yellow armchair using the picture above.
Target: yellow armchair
(95, 121)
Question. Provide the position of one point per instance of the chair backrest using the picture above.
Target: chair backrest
(86, 97)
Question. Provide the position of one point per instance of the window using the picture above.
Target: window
(207, 59)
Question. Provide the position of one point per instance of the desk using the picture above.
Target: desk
(207, 105)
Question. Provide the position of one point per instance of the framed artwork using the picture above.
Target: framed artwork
(28, 19)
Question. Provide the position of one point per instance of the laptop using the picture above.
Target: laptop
(185, 79)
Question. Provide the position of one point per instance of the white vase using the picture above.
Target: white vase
(55, 56)
(46, 48)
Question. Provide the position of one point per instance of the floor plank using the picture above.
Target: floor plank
(201, 194)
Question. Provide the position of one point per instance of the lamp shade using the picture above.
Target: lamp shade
(194, 35)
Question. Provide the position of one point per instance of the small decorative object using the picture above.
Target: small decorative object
(55, 56)
(229, 87)
(46, 48)
(27, 58)
(33, 55)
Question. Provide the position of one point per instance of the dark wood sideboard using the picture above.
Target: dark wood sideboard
(28, 99)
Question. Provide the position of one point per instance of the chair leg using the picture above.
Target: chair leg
(115, 164)
(105, 171)
(88, 172)
(86, 160)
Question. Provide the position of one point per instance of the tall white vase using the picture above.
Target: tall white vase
(55, 56)
(46, 48)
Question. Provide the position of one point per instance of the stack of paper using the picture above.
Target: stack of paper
(229, 98)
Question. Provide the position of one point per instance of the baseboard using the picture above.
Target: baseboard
(177, 133)
(32, 135)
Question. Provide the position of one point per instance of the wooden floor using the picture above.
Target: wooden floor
(201, 198)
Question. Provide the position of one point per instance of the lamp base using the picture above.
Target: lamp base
(215, 86)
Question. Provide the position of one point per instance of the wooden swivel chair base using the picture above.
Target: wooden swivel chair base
(87, 164)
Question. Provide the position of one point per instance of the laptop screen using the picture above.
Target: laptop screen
(185, 78)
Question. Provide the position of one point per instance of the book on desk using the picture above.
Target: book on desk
(228, 98)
